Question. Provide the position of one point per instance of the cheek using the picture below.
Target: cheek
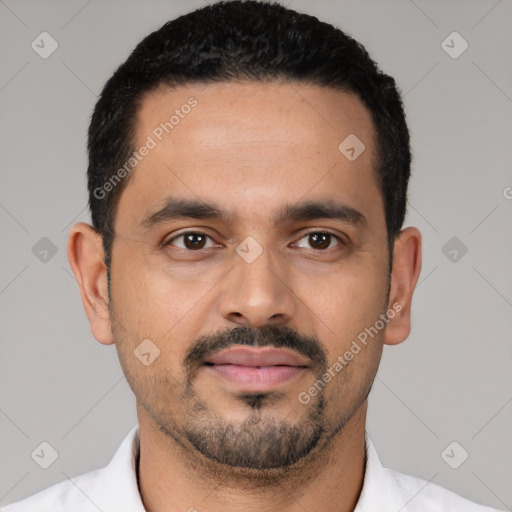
(348, 306)
(148, 296)
(155, 385)
(149, 304)
(353, 372)
(349, 299)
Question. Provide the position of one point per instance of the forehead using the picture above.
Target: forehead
(250, 144)
(229, 112)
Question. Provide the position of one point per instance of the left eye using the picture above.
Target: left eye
(191, 241)
(320, 240)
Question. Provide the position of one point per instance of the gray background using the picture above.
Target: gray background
(451, 381)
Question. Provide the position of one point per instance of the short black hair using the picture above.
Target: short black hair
(239, 41)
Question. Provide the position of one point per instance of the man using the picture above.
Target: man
(248, 171)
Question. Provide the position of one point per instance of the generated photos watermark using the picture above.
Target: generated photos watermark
(355, 348)
(151, 142)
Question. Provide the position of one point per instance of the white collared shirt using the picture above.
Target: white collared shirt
(114, 489)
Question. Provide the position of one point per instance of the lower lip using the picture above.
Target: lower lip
(256, 378)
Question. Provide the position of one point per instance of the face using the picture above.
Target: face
(245, 225)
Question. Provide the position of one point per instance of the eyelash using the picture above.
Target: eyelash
(169, 242)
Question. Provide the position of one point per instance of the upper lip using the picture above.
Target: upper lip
(256, 356)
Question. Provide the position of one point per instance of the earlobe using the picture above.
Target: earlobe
(86, 257)
(404, 276)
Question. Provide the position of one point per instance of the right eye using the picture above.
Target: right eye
(190, 240)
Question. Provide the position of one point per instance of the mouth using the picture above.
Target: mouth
(256, 369)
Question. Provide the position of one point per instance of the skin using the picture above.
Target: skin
(251, 148)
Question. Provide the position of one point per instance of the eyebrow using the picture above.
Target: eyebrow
(179, 208)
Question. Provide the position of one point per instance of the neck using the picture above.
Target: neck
(173, 476)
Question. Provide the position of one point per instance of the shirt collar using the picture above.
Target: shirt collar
(379, 487)
(118, 487)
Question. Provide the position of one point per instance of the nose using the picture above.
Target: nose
(258, 293)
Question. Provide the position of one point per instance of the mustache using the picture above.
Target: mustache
(277, 336)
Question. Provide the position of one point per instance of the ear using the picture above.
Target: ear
(86, 257)
(404, 276)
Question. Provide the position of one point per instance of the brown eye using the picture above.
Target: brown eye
(191, 241)
(320, 240)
